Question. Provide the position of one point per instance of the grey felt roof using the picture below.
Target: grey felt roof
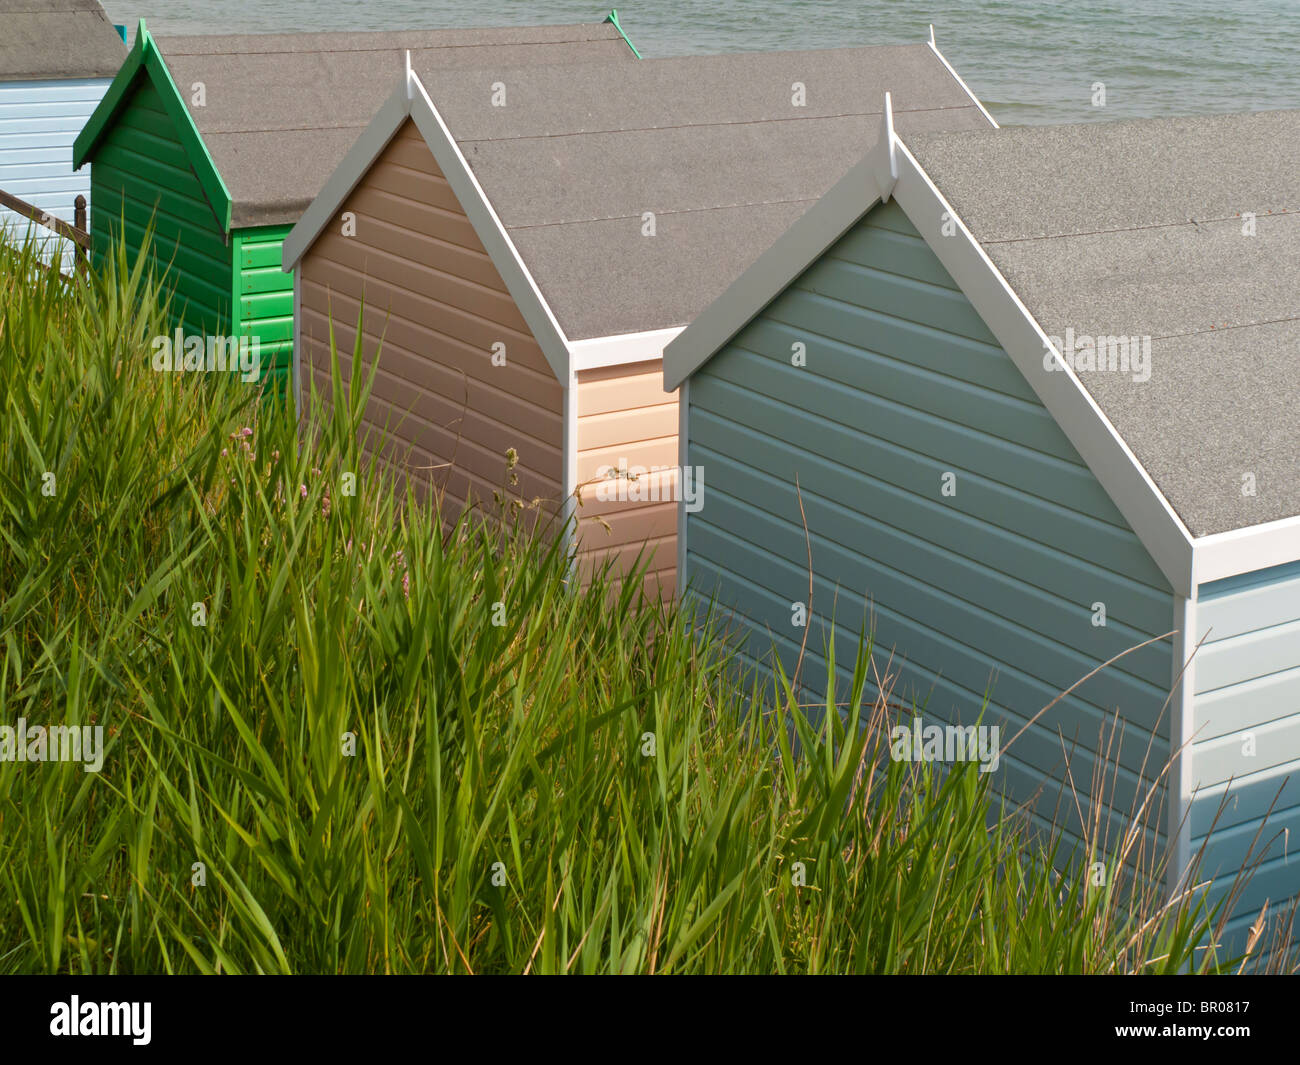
(281, 110)
(49, 39)
(712, 145)
(1135, 229)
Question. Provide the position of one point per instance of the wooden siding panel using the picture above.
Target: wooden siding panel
(907, 451)
(39, 120)
(450, 401)
(463, 362)
(434, 307)
(266, 301)
(1246, 751)
(625, 416)
(990, 590)
(432, 304)
(141, 176)
(445, 452)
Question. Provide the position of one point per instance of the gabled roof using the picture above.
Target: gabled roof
(49, 39)
(1135, 228)
(144, 60)
(279, 111)
(1114, 230)
(718, 148)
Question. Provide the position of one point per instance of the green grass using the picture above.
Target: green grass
(373, 767)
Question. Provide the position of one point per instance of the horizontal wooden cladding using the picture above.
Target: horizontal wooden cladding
(940, 633)
(1262, 848)
(625, 416)
(616, 524)
(1031, 772)
(422, 364)
(1246, 739)
(435, 306)
(1009, 532)
(625, 419)
(141, 176)
(265, 291)
(630, 387)
(475, 476)
(657, 584)
(466, 315)
(39, 120)
(657, 558)
(944, 511)
(1246, 711)
(449, 430)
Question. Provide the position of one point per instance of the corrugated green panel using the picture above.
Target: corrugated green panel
(269, 330)
(991, 589)
(265, 300)
(265, 305)
(141, 173)
(262, 279)
(258, 254)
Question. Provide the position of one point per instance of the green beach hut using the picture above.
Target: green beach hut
(221, 142)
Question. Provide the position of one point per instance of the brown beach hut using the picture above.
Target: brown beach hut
(526, 241)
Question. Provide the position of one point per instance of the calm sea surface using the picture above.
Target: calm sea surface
(1028, 60)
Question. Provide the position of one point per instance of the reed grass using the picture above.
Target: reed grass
(397, 744)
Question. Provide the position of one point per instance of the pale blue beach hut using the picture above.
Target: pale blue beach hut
(57, 58)
(1037, 390)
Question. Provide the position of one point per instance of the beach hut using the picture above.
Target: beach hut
(57, 58)
(1046, 411)
(221, 142)
(526, 241)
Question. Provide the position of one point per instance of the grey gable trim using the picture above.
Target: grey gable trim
(347, 175)
(820, 227)
(411, 101)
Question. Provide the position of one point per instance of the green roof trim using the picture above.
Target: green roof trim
(144, 56)
(612, 17)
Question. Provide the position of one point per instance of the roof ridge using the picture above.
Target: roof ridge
(387, 48)
(665, 214)
(596, 132)
(162, 40)
(706, 125)
(1226, 328)
(1289, 211)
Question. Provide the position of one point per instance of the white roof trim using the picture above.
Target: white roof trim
(795, 250)
(622, 348)
(1227, 554)
(960, 80)
(886, 172)
(500, 248)
(1182, 731)
(1111, 460)
(410, 100)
